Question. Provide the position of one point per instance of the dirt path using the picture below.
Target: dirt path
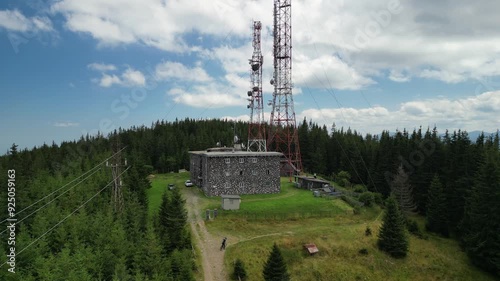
(211, 255)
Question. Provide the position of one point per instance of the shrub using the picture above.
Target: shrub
(239, 272)
(368, 231)
(343, 178)
(363, 251)
(414, 229)
(148, 169)
(360, 188)
(378, 198)
(351, 201)
(366, 198)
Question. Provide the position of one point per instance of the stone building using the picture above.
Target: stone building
(221, 171)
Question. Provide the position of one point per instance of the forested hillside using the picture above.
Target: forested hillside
(67, 228)
(95, 243)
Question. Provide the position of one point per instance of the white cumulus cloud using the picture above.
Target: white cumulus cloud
(470, 113)
(13, 20)
(102, 67)
(174, 70)
(128, 78)
(65, 124)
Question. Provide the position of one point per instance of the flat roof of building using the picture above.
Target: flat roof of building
(235, 153)
(230, 197)
(312, 179)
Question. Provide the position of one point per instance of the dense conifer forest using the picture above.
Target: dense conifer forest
(96, 243)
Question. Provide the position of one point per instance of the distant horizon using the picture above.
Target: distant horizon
(472, 134)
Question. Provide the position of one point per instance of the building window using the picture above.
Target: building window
(268, 172)
(254, 160)
(242, 160)
(242, 185)
(227, 185)
(227, 160)
(241, 173)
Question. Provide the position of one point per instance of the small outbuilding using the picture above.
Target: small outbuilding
(311, 249)
(231, 202)
(310, 182)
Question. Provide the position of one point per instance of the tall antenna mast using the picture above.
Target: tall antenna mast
(283, 136)
(256, 130)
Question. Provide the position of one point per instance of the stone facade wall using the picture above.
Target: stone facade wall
(236, 174)
(196, 169)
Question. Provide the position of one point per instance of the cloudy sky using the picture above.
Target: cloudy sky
(72, 67)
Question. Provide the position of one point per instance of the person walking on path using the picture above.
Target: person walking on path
(223, 245)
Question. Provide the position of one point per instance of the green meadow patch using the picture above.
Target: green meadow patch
(339, 236)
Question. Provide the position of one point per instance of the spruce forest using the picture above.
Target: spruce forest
(455, 184)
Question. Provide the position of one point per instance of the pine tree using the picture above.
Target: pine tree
(172, 218)
(392, 236)
(436, 208)
(148, 259)
(239, 272)
(275, 268)
(181, 265)
(163, 223)
(481, 223)
(402, 191)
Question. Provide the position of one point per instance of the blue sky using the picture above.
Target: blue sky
(73, 67)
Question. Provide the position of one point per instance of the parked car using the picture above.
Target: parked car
(171, 186)
(188, 183)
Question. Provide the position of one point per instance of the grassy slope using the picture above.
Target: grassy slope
(159, 184)
(338, 238)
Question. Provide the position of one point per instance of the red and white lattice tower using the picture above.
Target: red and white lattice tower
(256, 130)
(283, 135)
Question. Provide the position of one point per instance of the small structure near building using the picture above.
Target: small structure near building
(231, 202)
(311, 249)
(310, 182)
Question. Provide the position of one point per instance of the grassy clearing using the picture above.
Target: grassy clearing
(159, 184)
(290, 203)
(339, 258)
(339, 239)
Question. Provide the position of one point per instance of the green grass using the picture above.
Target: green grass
(339, 238)
(339, 242)
(290, 203)
(159, 185)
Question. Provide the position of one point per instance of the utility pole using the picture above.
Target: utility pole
(116, 167)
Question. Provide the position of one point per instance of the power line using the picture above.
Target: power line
(61, 221)
(52, 200)
(54, 192)
(103, 162)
